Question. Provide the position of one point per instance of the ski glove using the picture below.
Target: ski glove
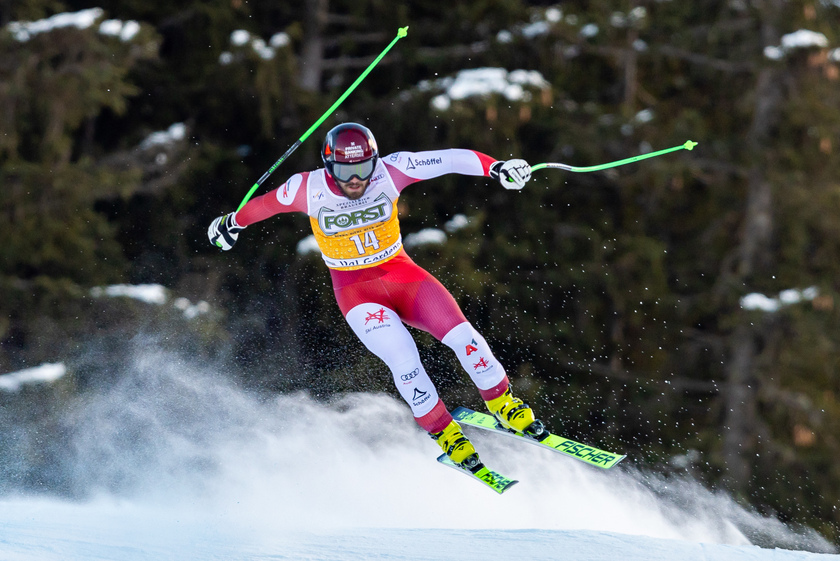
(224, 231)
(513, 174)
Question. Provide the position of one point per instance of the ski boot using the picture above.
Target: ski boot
(459, 449)
(513, 414)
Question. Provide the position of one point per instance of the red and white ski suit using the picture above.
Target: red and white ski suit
(377, 285)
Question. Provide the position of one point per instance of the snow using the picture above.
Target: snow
(308, 245)
(173, 461)
(241, 38)
(644, 116)
(23, 31)
(176, 132)
(553, 15)
(757, 301)
(264, 51)
(481, 82)
(152, 294)
(126, 31)
(457, 222)
(279, 40)
(620, 19)
(774, 53)
(189, 309)
(536, 29)
(149, 293)
(801, 39)
(426, 236)
(589, 30)
(40, 531)
(44, 374)
(504, 36)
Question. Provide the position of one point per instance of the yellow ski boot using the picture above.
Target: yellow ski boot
(453, 442)
(514, 414)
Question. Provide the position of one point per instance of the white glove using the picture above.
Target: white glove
(513, 174)
(224, 231)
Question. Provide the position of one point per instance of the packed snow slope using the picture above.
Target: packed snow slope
(172, 462)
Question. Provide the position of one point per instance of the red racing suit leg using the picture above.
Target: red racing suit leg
(376, 301)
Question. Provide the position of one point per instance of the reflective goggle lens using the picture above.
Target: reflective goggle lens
(345, 172)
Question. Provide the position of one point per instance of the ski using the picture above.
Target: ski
(566, 446)
(492, 479)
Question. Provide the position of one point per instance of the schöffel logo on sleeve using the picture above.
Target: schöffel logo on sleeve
(414, 164)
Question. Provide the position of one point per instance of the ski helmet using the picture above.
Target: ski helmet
(350, 150)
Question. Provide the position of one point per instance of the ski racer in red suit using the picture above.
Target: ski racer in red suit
(352, 208)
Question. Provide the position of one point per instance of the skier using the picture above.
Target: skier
(352, 208)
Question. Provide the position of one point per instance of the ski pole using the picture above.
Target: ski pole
(689, 145)
(403, 31)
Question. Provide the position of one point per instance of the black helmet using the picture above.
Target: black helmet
(350, 150)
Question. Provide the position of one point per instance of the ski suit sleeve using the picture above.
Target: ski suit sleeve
(410, 167)
(289, 197)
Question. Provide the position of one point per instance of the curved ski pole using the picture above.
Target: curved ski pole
(688, 145)
(403, 31)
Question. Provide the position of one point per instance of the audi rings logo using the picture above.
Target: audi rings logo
(411, 375)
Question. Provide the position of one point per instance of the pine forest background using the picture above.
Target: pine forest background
(614, 298)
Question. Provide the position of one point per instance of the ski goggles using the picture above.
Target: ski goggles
(346, 172)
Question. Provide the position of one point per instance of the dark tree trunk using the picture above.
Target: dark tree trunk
(312, 53)
(754, 256)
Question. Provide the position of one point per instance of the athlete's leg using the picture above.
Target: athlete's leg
(422, 302)
(490, 378)
(486, 372)
(433, 309)
(382, 332)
